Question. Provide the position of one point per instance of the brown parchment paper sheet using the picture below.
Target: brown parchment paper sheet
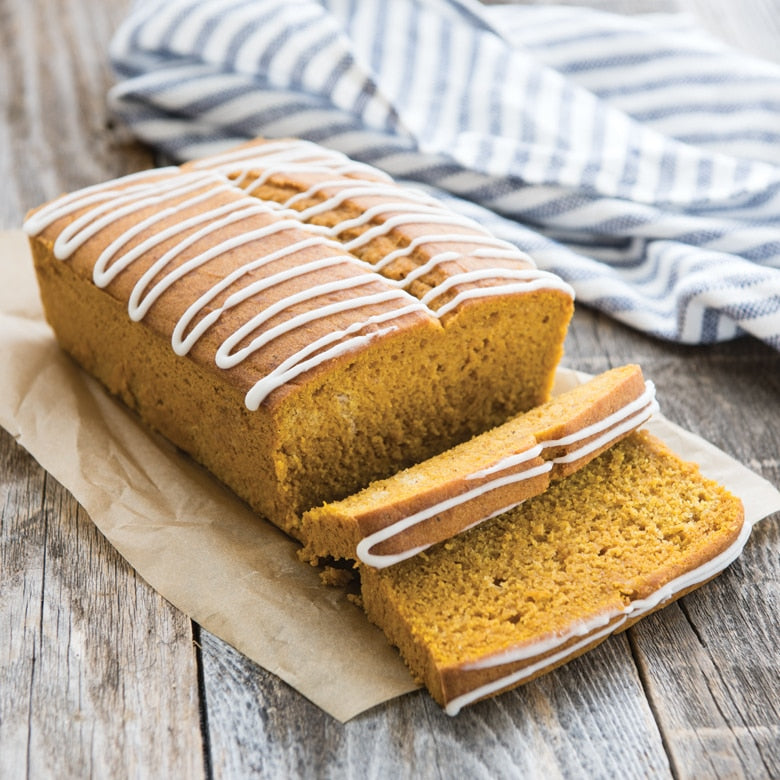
(194, 541)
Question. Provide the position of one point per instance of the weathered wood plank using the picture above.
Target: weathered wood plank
(56, 133)
(715, 698)
(97, 672)
(22, 533)
(710, 665)
(589, 719)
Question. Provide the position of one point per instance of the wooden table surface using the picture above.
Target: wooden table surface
(100, 676)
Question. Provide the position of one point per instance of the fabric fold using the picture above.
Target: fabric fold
(636, 157)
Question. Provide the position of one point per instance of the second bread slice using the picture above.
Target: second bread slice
(395, 518)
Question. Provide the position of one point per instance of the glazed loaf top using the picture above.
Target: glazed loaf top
(271, 260)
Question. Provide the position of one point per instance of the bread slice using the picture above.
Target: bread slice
(297, 360)
(523, 593)
(396, 518)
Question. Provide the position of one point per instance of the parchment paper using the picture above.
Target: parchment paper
(194, 541)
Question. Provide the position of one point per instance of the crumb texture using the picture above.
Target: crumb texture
(437, 498)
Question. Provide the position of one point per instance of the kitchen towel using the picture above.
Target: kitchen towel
(636, 157)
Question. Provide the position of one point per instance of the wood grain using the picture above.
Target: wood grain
(710, 664)
(559, 725)
(56, 133)
(97, 670)
(100, 676)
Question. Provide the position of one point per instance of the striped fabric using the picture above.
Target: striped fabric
(634, 156)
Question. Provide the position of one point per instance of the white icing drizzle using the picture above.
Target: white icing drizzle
(268, 149)
(591, 630)
(628, 425)
(140, 301)
(46, 215)
(224, 357)
(423, 269)
(92, 222)
(182, 344)
(103, 273)
(169, 191)
(107, 203)
(640, 402)
(625, 419)
(296, 364)
(352, 189)
(485, 273)
(461, 238)
(526, 281)
(285, 156)
(415, 207)
(380, 561)
(377, 231)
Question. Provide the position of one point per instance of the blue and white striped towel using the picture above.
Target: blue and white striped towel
(636, 157)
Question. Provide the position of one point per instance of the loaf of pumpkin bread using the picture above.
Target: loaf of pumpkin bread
(297, 322)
